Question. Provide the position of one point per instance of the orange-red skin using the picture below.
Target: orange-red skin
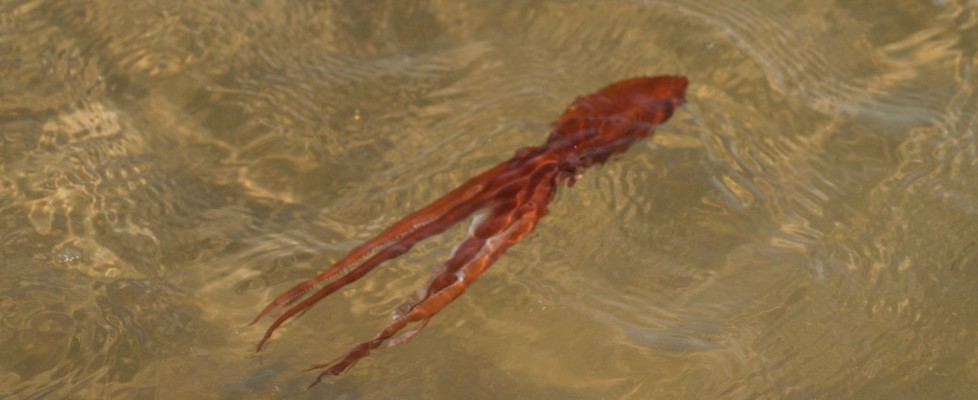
(515, 195)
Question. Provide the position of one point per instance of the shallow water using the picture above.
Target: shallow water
(804, 229)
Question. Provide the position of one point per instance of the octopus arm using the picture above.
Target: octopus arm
(417, 225)
(505, 226)
(351, 271)
(514, 195)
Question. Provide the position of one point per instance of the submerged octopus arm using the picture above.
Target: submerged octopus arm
(477, 252)
(423, 223)
(510, 199)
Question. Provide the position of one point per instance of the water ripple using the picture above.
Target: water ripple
(798, 57)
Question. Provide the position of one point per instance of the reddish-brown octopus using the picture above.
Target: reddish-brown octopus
(507, 201)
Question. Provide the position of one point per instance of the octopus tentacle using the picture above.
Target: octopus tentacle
(514, 194)
(433, 214)
(478, 252)
(390, 251)
(491, 185)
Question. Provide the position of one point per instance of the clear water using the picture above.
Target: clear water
(805, 229)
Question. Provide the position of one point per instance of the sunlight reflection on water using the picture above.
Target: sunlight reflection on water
(804, 229)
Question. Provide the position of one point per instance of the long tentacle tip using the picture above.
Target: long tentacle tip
(257, 318)
(261, 343)
(328, 372)
(321, 366)
(319, 379)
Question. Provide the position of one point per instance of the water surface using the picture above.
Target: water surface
(804, 229)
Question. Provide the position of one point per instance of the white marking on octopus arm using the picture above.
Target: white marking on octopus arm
(439, 268)
(488, 247)
(477, 219)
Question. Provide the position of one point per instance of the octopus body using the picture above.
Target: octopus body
(508, 201)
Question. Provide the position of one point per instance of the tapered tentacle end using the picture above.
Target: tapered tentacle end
(340, 365)
(289, 313)
(322, 375)
(332, 371)
(361, 350)
(354, 266)
(264, 338)
(289, 297)
(263, 313)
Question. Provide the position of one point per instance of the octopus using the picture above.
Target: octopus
(505, 203)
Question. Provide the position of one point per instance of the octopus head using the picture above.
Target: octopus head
(627, 109)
